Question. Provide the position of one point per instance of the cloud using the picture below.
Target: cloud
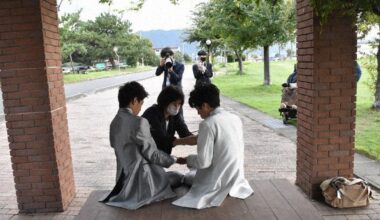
(155, 14)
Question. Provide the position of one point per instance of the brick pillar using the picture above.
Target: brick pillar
(326, 98)
(34, 105)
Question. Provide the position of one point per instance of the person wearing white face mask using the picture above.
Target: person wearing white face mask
(165, 120)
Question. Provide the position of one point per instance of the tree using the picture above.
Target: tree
(187, 58)
(70, 32)
(365, 23)
(105, 33)
(273, 24)
(138, 50)
(202, 27)
(92, 41)
(232, 23)
(225, 23)
(243, 24)
(366, 11)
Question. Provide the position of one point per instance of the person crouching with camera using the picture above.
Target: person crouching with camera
(172, 69)
(203, 69)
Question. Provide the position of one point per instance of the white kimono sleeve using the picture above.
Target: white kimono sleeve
(205, 149)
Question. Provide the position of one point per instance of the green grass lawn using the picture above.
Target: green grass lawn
(248, 89)
(75, 77)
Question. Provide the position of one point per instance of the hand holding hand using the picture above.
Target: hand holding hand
(181, 160)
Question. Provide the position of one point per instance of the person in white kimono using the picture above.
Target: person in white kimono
(220, 153)
(140, 176)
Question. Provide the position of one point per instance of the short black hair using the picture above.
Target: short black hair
(204, 93)
(166, 51)
(202, 53)
(129, 91)
(168, 95)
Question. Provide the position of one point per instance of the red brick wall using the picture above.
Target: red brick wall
(34, 105)
(326, 98)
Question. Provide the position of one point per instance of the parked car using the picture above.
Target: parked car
(66, 70)
(81, 69)
(101, 66)
(122, 65)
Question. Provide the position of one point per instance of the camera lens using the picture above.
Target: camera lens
(168, 62)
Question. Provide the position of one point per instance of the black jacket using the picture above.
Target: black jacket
(175, 78)
(203, 77)
(164, 137)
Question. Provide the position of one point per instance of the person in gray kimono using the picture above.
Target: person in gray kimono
(140, 177)
(219, 161)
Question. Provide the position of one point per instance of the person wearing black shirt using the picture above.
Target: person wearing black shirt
(165, 120)
(203, 69)
(172, 69)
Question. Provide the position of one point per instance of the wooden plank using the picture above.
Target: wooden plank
(258, 207)
(231, 209)
(172, 212)
(149, 212)
(276, 201)
(92, 209)
(107, 212)
(273, 199)
(300, 204)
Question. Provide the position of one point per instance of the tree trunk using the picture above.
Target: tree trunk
(112, 61)
(71, 63)
(376, 104)
(240, 62)
(240, 65)
(266, 66)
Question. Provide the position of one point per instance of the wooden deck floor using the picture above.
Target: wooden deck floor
(273, 199)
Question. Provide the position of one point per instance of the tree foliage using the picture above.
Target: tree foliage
(96, 41)
(70, 32)
(242, 24)
(325, 9)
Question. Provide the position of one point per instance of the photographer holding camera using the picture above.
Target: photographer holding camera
(203, 69)
(172, 69)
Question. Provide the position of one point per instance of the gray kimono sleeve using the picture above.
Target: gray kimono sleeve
(148, 146)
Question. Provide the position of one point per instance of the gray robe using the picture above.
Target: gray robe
(140, 177)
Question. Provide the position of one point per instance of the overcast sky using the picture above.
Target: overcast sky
(155, 14)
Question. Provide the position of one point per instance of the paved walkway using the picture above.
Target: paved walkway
(270, 151)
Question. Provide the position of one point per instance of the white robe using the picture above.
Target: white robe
(219, 162)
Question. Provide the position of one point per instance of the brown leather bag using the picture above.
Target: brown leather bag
(340, 192)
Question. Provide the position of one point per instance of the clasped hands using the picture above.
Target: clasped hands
(201, 68)
(189, 140)
(181, 160)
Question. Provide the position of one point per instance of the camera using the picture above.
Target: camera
(168, 61)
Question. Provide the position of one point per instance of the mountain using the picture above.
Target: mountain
(171, 38)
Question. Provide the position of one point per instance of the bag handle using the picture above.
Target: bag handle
(355, 181)
(359, 196)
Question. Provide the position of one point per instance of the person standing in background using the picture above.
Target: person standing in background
(203, 69)
(172, 69)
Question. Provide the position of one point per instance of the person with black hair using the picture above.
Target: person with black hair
(165, 120)
(203, 69)
(219, 161)
(140, 176)
(292, 78)
(172, 69)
